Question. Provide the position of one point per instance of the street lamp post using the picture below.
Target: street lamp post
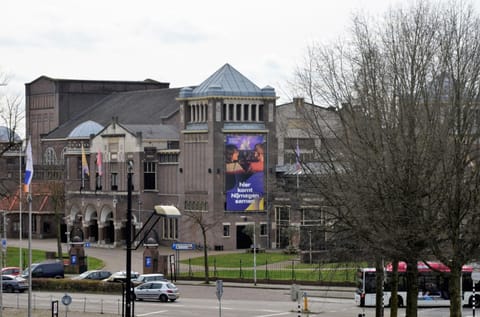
(128, 233)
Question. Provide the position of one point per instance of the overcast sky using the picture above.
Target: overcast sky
(180, 42)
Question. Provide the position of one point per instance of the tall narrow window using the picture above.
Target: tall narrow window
(114, 181)
(149, 175)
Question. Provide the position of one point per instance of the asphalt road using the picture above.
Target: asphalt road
(202, 301)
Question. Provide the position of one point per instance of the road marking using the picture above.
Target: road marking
(153, 313)
(278, 314)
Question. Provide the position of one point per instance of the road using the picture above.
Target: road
(202, 301)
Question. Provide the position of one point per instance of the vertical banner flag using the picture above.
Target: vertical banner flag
(28, 168)
(84, 163)
(244, 172)
(99, 163)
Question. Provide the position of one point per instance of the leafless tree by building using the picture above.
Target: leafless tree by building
(403, 175)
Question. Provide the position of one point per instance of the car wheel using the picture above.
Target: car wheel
(163, 298)
(9, 289)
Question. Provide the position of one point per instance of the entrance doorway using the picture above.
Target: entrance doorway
(243, 240)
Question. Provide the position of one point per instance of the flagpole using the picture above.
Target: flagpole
(27, 182)
(20, 205)
(29, 254)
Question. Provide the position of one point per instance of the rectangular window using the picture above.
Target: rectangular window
(254, 112)
(245, 112)
(173, 145)
(168, 157)
(226, 230)
(260, 113)
(170, 229)
(149, 175)
(263, 229)
(114, 181)
(98, 182)
(231, 109)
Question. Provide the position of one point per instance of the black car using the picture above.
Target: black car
(11, 283)
(93, 275)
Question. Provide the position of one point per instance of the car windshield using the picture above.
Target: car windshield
(84, 274)
(27, 270)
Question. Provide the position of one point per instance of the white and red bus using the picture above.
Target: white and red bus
(433, 280)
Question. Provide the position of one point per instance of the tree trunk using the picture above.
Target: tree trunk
(394, 290)
(455, 291)
(59, 236)
(379, 307)
(205, 255)
(412, 288)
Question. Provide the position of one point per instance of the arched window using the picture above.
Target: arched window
(50, 158)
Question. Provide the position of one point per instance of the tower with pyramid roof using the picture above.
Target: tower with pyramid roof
(228, 146)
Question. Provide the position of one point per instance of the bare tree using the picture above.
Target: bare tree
(406, 90)
(205, 224)
(12, 115)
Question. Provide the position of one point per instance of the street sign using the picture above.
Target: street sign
(219, 285)
(87, 244)
(183, 246)
(4, 244)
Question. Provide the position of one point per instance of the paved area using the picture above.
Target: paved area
(114, 258)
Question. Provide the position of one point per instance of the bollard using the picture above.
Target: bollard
(305, 302)
(299, 310)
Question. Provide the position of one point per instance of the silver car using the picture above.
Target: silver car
(157, 290)
(11, 283)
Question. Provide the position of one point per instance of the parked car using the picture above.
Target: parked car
(45, 269)
(157, 290)
(120, 277)
(11, 283)
(93, 275)
(143, 278)
(11, 270)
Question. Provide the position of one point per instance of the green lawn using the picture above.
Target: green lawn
(240, 259)
(13, 258)
(270, 266)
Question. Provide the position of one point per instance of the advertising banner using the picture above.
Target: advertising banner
(244, 172)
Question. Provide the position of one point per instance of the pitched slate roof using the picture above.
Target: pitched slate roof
(155, 131)
(227, 81)
(149, 107)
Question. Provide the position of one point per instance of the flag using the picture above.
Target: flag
(99, 163)
(84, 163)
(28, 168)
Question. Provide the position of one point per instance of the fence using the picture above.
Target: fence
(108, 304)
(291, 270)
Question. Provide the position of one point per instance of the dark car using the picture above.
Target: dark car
(11, 283)
(93, 275)
(45, 269)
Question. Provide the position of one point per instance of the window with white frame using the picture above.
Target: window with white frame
(170, 228)
(263, 229)
(149, 175)
(226, 229)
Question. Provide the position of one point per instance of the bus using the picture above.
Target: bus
(432, 285)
